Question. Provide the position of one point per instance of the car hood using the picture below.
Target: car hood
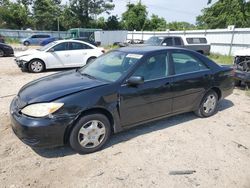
(244, 52)
(52, 87)
(26, 53)
(3, 44)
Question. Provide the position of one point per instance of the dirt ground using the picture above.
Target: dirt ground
(216, 150)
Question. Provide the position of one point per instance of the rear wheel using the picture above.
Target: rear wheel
(208, 106)
(36, 66)
(90, 133)
(1, 53)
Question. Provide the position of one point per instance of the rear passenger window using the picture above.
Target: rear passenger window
(185, 63)
(196, 40)
(177, 41)
(78, 46)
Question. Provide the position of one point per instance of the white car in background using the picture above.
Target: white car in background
(58, 54)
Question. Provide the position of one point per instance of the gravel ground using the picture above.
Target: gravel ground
(215, 151)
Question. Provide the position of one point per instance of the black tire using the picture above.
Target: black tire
(204, 111)
(36, 66)
(237, 83)
(85, 122)
(91, 59)
(2, 54)
(26, 43)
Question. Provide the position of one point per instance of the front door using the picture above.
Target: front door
(58, 56)
(151, 99)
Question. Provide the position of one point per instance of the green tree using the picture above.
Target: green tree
(113, 23)
(86, 10)
(225, 12)
(156, 23)
(135, 16)
(177, 26)
(68, 18)
(46, 13)
(14, 15)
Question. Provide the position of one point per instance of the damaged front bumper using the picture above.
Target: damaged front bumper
(22, 64)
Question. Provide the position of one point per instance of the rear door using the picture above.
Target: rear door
(191, 79)
(78, 54)
(151, 99)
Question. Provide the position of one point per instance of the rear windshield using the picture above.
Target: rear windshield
(196, 40)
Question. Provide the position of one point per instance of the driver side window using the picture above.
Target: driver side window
(155, 67)
(61, 47)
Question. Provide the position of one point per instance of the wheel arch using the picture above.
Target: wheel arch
(33, 59)
(90, 57)
(99, 110)
(218, 92)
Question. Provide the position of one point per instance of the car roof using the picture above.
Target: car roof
(145, 49)
(72, 40)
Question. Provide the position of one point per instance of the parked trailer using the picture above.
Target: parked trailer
(110, 37)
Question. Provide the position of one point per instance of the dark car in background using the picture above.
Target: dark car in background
(86, 39)
(6, 50)
(48, 40)
(242, 67)
(198, 44)
(119, 90)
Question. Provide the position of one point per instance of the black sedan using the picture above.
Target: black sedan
(6, 50)
(119, 90)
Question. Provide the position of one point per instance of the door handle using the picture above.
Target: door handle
(67, 55)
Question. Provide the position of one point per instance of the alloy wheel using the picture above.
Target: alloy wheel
(36, 66)
(91, 134)
(1, 53)
(209, 104)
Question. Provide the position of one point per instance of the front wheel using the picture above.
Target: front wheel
(90, 133)
(208, 106)
(36, 66)
(1, 53)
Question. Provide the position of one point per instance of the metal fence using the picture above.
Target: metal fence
(223, 41)
(21, 34)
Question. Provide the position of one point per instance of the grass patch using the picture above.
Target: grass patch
(222, 59)
(110, 47)
(11, 40)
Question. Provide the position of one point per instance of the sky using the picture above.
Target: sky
(171, 10)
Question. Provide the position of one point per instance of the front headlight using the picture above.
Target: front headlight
(41, 109)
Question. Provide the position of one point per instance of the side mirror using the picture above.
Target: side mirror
(135, 80)
(164, 44)
(51, 50)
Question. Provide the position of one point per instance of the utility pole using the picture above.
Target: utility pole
(58, 27)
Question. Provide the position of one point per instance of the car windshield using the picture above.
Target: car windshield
(46, 47)
(154, 40)
(111, 66)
